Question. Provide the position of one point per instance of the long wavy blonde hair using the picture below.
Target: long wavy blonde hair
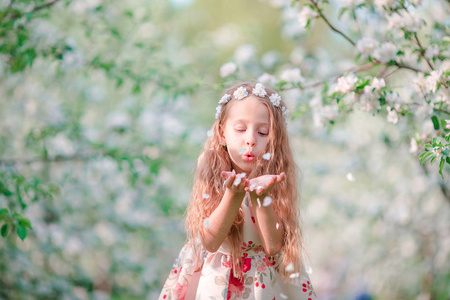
(214, 159)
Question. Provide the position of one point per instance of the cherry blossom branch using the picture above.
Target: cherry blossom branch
(407, 67)
(422, 50)
(35, 9)
(314, 3)
(45, 5)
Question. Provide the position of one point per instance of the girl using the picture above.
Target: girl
(244, 239)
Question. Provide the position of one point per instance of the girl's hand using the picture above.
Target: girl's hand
(262, 185)
(236, 183)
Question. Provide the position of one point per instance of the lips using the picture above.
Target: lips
(248, 156)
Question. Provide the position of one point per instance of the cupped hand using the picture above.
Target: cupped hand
(264, 184)
(236, 183)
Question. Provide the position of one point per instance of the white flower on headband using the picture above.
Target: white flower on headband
(218, 111)
(225, 99)
(240, 93)
(259, 90)
(285, 112)
(275, 99)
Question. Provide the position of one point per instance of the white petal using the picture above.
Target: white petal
(290, 267)
(278, 226)
(242, 151)
(205, 196)
(210, 133)
(283, 296)
(350, 177)
(237, 181)
(266, 156)
(295, 275)
(259, 202)
(267, 201)
(206, 223)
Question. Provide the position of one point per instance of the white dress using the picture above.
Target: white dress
(205, 275)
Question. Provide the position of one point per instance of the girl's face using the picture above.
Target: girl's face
(245, 132)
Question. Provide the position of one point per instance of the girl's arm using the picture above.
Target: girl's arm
(270, 229)
(216, 228)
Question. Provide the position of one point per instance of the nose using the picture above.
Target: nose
(250, 139)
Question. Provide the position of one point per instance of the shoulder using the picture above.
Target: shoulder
(200, 159)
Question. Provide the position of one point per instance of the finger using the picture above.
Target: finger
(281, 177)
(230, 180)
(225, 174)
(242, 184)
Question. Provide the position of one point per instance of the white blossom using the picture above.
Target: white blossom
(292, 75)
(72, 60)
(266, 156)
(445, 66)
(366, 45)
(368, 102)
(225, 98)
(375, 86)
(386, 52)
(404, 20)
(269, 59)
(392, 116)
(259, 90)
(118, 120)
(244, 53)
(227, 69)
(60, 145)
(418, 83)
(306, 14)
(268, 79)
(346, 83)
(218, 111)
(275, 99)
(413, 146)
(448, 124)
(432, 80)
(412, 22)
(240, 93)
(432, 51)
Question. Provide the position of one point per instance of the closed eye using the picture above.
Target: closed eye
(263, 133)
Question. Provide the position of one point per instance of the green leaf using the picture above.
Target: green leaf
(441, 166)
(342, 11)
(363, 84)
(433, 159)
(21, 232)
(448, 160)
(425, 154)
(4, 230)
(428, 145)
(435, 122)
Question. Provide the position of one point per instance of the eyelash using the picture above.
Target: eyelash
(261, 133)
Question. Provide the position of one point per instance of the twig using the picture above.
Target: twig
(330, 25)
(422, 51)
(398, 68)
(45, 5)
(407, 67)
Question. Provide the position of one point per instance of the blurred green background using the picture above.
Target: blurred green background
(104, 109)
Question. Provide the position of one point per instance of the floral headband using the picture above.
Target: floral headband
(260, 91)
